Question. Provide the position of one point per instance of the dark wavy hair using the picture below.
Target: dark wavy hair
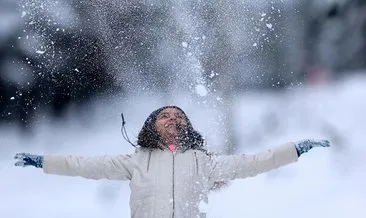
(148, 137)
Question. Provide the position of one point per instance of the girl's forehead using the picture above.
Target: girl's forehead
(171, 110)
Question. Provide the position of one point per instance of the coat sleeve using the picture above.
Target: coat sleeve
(229, 167)
(117, 167)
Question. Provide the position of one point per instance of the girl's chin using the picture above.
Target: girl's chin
(171, 136)
(172, 131)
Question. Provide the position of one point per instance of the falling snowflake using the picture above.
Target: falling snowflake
(184, 44)
(201, 90)
(269, 25)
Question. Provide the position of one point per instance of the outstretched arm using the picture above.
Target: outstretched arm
(117, 167)
(229, 167)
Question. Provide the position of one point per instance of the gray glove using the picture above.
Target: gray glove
(25, 159)
(304, 146)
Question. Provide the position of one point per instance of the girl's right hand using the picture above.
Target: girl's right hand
(25, 159)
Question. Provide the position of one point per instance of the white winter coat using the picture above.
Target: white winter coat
(166, 185)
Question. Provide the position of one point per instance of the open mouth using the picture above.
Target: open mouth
(171, 125)
(175, 126)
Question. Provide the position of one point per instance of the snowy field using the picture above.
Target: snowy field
(324, 183)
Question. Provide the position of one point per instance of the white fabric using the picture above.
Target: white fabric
(167, 185)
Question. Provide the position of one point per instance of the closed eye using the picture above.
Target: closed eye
(164, 115)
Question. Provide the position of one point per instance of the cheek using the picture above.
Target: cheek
(158, 126)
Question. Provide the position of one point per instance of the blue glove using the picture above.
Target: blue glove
(25, 159)
(304, 146)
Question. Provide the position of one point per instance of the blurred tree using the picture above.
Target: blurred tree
(55, 67)
(335, 38)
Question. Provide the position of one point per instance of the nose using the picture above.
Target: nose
(173, 116)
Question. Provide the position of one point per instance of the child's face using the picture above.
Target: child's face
(169, 123)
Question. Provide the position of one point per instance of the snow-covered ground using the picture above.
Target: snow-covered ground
(324, 183)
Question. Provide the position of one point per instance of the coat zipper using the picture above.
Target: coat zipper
(173, 187)
(148, 162)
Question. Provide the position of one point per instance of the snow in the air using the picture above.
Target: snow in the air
(201, 90)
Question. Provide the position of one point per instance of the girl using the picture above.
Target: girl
(170, 173)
